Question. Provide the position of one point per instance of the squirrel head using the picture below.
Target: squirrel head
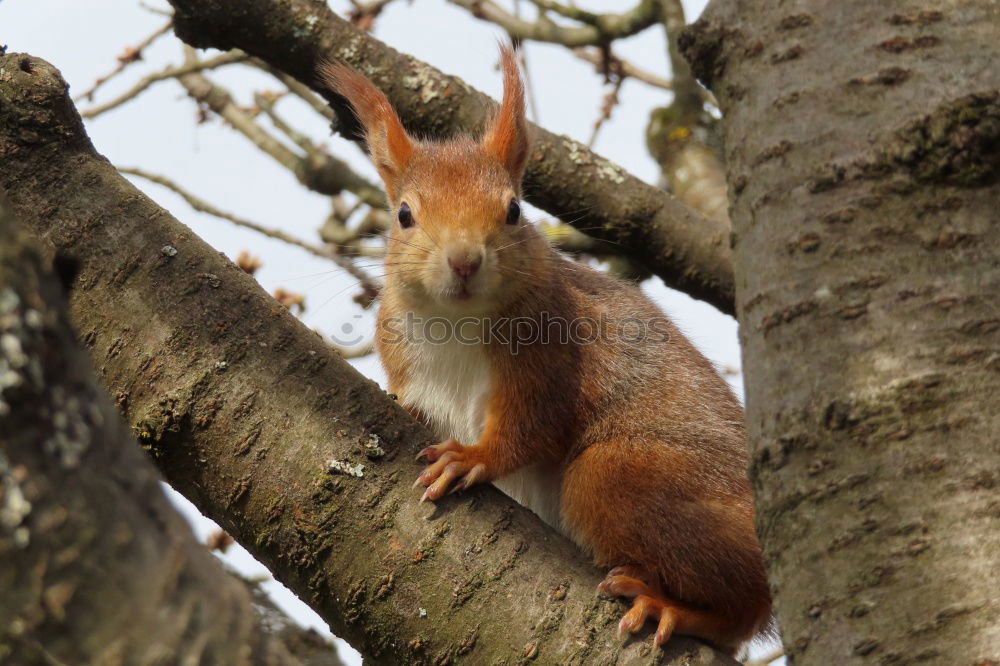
(458, 240)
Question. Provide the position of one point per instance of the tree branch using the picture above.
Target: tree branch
(688, 250)
(132, 54)
(598, 28)
(98, 567)
(366, 282)
(301, 91)
(622, 67)
(307, 463)
(164, 74)
(319, 172)
(679, 135)
(306, 645)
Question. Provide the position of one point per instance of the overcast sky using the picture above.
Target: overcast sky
(158, 132)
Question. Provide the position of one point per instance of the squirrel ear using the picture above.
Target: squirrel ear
(506, 135)
(389, 144)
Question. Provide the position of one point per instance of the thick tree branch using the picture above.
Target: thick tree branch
(303, 460)
(98, 568)
(688, 250)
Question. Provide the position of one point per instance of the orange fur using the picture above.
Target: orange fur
(641, 443)
(390, 146)
(506, 137)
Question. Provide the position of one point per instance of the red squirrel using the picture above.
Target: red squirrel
(626, 440)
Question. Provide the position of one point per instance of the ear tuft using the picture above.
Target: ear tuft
(390, 146)
(506, 135)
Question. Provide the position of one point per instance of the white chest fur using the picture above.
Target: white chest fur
(449, 384)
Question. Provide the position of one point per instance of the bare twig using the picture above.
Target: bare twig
(130, 55)
(155, 10)
(348, 240)
(266, 104)
(368, 284)
(203, 206)
(599, 28)
(318, 171)
(374, 224)
(298, 89)
(627, 69)
(608, 105)
(568, 11)
(363, 14)
(169, 73)
(334, 231)
(687, 91)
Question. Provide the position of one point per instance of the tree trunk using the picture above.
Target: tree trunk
(304, 461)
(98, 568)
(688, 250)
(863, 148)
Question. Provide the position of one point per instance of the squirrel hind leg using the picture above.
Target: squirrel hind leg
(650, 602)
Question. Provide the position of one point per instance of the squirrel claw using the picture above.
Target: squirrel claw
(650, 602)
(433, 453)
(647, 602)
(452, 468)
(620, 585)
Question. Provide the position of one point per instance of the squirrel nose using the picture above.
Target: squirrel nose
(465, 266)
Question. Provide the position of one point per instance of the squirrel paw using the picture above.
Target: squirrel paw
(450, 462)
(647, 602)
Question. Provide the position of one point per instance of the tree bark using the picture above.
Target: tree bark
(98, 568)
(863, 148)
(687, 250)
(306, 645)
(304, 461)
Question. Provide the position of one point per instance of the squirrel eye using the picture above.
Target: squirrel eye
(405, 216)
(513, 212)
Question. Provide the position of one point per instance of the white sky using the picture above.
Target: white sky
(158, 132)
